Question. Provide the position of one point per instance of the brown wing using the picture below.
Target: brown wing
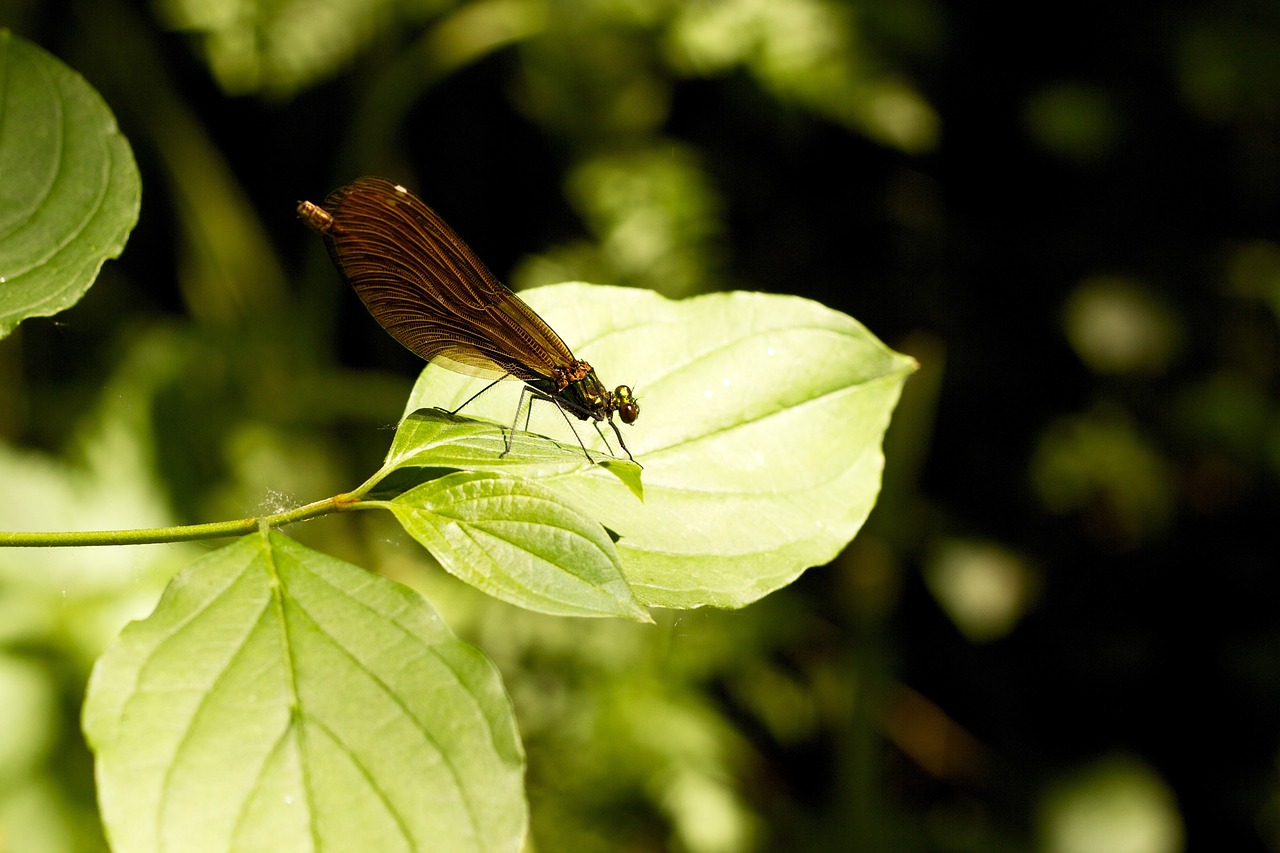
(430, 291)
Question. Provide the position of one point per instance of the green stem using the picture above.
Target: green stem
(182, 533)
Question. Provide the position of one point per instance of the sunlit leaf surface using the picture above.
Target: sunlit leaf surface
(439, 439)
(760, 429)
(519, 542)
(279, 699)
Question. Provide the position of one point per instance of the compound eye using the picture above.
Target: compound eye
(628, 407)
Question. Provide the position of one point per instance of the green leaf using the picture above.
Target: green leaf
(279, 699)
(434, 438)
(761, 420)
(518, 542)
(70, 190)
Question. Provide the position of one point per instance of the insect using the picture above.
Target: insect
(426, 287)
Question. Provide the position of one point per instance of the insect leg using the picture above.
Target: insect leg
(526, 394)
(470, 399)
(618, 433)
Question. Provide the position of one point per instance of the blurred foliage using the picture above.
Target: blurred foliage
(652, 217)
(1100, 466)
(1077, 237)
(984, 588)
(1112, 804)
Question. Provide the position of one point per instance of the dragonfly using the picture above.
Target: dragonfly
(431, 293)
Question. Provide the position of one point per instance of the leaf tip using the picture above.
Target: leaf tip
(626, 471)
(641, 615)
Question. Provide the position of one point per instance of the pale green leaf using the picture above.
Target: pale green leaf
(280, 699)
(69, 188)
(761, 419)
(434, 438)
(518, 542)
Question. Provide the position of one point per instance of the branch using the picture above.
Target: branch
(180, 533)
